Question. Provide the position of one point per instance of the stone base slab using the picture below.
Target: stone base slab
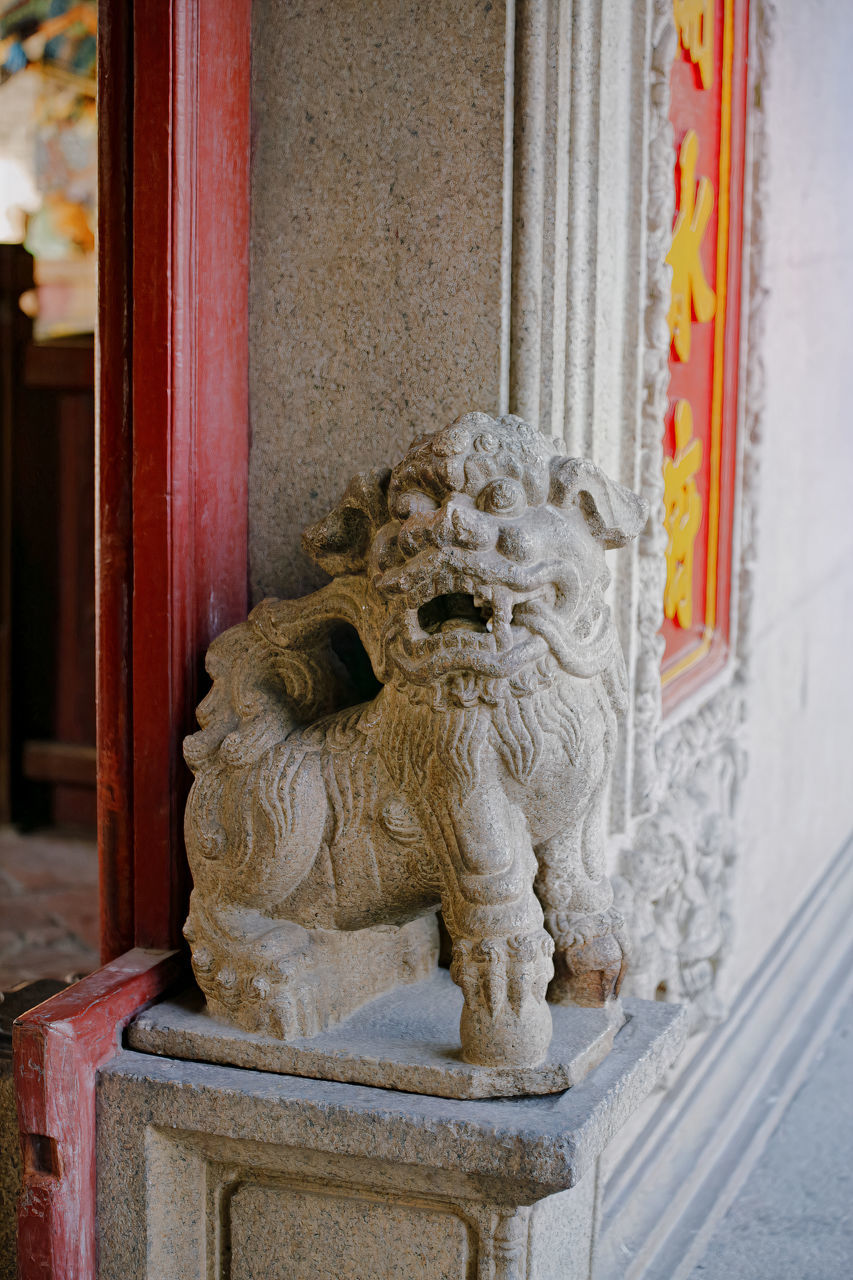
(407, 1039)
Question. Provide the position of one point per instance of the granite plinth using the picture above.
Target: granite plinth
(212, 1170)
(407, 1039)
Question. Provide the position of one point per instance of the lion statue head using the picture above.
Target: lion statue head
(483, 551)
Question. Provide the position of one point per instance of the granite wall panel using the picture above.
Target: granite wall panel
(377, 205)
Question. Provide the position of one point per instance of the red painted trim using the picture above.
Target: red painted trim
(174, 435)
(58, 1048)
(190, 405)
(706, 646)
(113, 529)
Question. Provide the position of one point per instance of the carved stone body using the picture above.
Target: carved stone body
(324, 831)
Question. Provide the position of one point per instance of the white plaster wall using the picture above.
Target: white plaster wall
(798, 796)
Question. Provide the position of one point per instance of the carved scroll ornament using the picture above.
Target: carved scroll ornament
(324, 830)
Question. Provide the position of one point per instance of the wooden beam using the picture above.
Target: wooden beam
(65, 366)
(65, 762)
(58, 1048)
(189, 406)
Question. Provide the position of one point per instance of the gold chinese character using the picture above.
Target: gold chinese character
(683, 515)
(691, 293)
(694, 21)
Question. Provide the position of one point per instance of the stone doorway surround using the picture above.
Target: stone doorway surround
(569, 305)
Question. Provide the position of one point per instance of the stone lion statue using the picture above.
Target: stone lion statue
(340, 799)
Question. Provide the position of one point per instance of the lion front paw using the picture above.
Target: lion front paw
(256, 975)
(590, 957)
(506, 1020)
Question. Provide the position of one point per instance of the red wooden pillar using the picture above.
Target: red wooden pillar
(189, 406)
(172, 459)
(174, 443)
(114, 474)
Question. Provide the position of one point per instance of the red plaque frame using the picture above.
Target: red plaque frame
(708, 103)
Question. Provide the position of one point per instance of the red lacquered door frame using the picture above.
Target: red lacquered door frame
(176, 503)
(189, 406)
(172, 459)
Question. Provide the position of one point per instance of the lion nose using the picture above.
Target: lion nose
(459, 527)
(451, 526)
(516, 544)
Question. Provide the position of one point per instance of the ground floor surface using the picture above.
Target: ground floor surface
(48, 906)
(793, 1219)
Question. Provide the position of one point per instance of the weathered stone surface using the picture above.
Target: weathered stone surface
(376, 249)
(471, 579)
(406, 1040)
(212, 1170)
(282, 1232)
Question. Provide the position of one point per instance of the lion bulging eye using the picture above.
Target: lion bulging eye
(504, 497)
(413, 502)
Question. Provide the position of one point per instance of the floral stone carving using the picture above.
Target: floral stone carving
(324, 828)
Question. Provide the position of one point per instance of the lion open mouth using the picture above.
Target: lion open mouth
(450, 619)
(465, 623)
(498, 614)
(456, 610)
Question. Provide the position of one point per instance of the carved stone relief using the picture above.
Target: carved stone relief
(646, 781)
(325, 829)
(675, 881)
(675, 872)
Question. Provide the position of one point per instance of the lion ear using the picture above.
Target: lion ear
(614, 514)
(341, 541)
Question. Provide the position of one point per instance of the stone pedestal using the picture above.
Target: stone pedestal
(215, 1171)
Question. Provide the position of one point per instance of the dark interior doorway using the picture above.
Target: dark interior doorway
(48, 424)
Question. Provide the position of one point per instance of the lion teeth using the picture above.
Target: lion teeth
(502, 602)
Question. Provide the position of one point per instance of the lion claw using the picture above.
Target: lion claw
(588, 973)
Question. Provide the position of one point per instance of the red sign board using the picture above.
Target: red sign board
(709, 120)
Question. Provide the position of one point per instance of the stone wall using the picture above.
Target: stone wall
(377, 213)
(384, 271)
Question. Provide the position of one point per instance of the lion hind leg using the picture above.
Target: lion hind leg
(280, 978)
(588, 932)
